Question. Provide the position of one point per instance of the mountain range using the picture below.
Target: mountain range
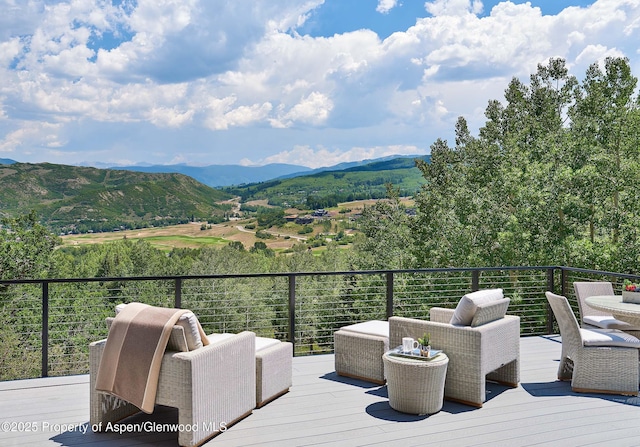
(217, 176)
(75, 198)
(80, 198)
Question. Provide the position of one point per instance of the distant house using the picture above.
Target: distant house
(291, 217)
(320, 213)
(304, 220)
(410, 211)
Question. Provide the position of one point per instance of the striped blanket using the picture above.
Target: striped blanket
(130, 364)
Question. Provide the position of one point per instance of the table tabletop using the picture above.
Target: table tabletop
(396, 355)
(629, 312)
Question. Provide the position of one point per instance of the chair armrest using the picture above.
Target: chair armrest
(440, 314)
(98, 343)
(242, 343)
(221, 378)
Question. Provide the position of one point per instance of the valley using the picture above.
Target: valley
(282, 238)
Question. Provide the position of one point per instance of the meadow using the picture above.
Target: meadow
(201, 235)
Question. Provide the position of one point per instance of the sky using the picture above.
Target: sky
(305, 82)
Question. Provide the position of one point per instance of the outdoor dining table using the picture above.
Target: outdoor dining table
(613, 304)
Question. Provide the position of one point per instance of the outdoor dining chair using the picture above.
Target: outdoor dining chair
(595, 360)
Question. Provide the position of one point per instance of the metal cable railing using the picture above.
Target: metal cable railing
(46, 325)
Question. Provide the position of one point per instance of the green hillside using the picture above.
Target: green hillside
(328, 188)
(72, 198)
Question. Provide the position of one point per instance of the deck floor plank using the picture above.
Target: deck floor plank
(324, 409)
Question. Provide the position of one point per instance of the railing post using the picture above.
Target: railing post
(551, 288)
(45, 329)
(564, 282)
(292, 311)
(178, 294)
(389, 295)
(475, 280)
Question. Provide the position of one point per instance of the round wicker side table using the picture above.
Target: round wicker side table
(415, 386)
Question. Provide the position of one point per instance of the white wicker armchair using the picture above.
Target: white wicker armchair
(595, 360)
(476, 353)
(212, 387)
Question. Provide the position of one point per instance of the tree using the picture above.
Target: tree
(605, 123)
(25, 247)
(387, 242)
(551, 175)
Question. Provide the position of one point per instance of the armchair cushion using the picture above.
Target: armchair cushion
(608, 337)
(488, 312)
(374, 327)
(468, 305)
(189, 323)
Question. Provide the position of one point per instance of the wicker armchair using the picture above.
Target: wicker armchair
(593, 318)
(595, 360)
(488, 349)
(212, 387)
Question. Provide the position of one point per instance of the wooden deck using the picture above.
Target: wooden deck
(325, 409)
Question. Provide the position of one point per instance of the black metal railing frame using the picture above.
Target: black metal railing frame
(554, 282)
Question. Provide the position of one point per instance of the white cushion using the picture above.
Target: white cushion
(608, 322)
(608, 337)
(263, 343)
(374, 327)
(189, 323)
(215, 338)
(468, 304)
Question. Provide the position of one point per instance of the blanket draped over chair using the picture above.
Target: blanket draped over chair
(131, 360)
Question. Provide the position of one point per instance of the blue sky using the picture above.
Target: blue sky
(306, 82)
(337, 17)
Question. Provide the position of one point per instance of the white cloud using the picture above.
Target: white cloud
(35, 134)
(169, 116)
(321, 156)
(313, 109)
(180, 69)
(454, 7)
(384, 6)
(596, 53)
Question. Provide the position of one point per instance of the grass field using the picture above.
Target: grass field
(192, 235)
(185, 236)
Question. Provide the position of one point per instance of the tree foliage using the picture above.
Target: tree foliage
(550, 179)
(25, 247)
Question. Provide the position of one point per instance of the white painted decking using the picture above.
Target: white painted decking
(323, 409)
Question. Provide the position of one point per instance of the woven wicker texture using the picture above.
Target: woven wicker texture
(476, 354)
(212, 385)
(584, 290)
(360, 355)
(416, 386)
(273, 372)
(611, 370)
(488, 312)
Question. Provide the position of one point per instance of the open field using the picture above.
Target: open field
(192, 235)
(177, 236)
(357, 206)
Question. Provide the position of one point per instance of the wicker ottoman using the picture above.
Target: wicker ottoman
(359, 349)
(273, 369)
(416, 386)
